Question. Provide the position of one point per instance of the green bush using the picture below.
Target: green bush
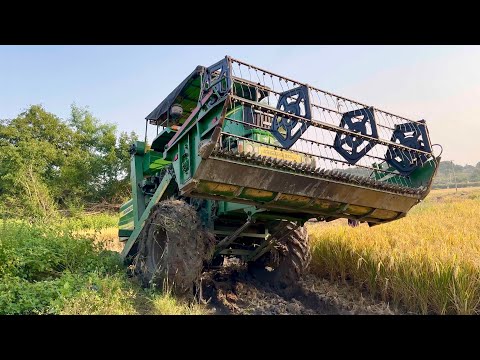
(86, 221)
(46, 269)
(41, 268)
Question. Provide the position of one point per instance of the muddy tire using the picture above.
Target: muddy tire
(288, 260)
(172, 248)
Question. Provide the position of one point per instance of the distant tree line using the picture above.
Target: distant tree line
(450, 174)
(49, 164)
(447, 176)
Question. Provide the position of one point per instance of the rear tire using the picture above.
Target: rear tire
(172, 248)
(288, 260)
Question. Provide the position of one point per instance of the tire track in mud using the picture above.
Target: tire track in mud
(232, 290)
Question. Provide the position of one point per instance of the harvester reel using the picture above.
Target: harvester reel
(352, 147)
(283, 128)
(414, 136)
(217, 77)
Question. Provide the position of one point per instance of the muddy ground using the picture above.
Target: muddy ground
(233, 290)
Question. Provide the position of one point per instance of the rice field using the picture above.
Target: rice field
(427, 262)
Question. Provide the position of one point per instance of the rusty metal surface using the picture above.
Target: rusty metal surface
(243, 179)
(303, 169)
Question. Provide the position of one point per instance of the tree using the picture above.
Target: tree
(465, 175)
(75, 161)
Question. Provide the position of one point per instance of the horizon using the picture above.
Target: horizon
(122, 84)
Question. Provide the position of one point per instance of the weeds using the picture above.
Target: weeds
(60, 269)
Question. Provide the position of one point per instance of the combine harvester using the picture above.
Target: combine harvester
(244, 157)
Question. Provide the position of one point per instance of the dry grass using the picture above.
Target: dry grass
(114, 300)
(107, 237)
(166, 304)
(428, 262)
(120, 297)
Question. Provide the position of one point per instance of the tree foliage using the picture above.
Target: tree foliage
(47, 162)
(450, 173)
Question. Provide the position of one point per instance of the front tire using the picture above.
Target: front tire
(172, 248)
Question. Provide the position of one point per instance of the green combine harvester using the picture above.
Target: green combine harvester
(244, 157)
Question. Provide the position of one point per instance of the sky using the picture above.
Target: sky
(123, 84)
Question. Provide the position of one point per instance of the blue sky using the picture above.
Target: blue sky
(122, 84)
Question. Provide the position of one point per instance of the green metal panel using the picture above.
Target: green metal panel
(264, 137)
(125, 222)
(419, 177)
(153, 162)
(183, 153)
(122, 234)
(136, 177)
(234, 127)
(162, 139)
(229, 207)
(423, 175)
(139, 225)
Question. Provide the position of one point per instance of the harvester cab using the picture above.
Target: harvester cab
(255, 155)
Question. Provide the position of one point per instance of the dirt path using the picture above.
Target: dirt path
(232, 290)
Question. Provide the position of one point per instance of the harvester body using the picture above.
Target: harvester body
(247, 147)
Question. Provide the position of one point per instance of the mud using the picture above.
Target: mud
(233, 290)
(173, 248)
(173, 239)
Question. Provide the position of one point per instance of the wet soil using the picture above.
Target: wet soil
(231, 289)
